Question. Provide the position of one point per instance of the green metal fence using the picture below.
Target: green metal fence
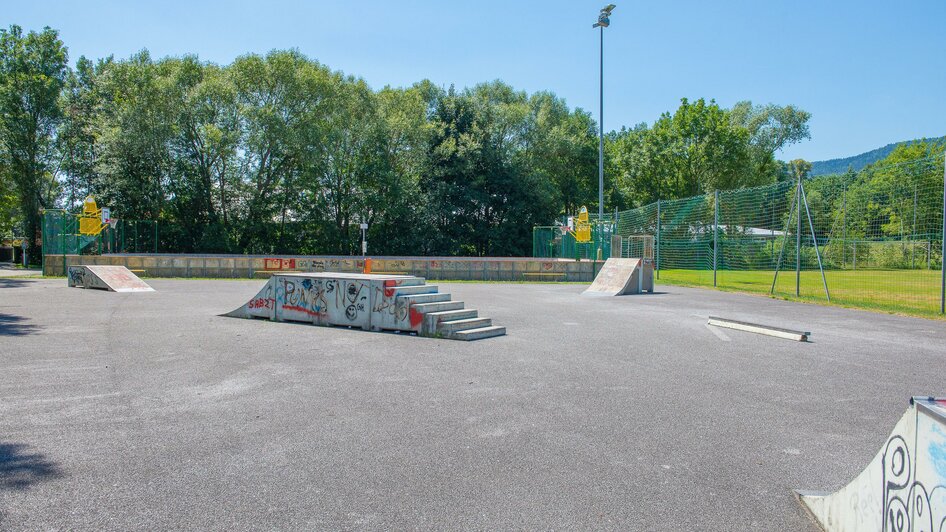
(61, 236)
(132, 236)
(869, 239)
(556, 243)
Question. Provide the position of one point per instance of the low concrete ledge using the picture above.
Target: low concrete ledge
(768, 330)
(256, 266)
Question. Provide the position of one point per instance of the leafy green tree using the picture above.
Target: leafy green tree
(206, 136)
(134, 128)
(484, 197)
(880, 202)
(562, 148)
(76, 136)
(771, 127)
(694, 151)
(9, 213)
(395, 200)
(32, 74)
(282, 100)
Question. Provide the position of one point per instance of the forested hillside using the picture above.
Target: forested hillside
(858, 162)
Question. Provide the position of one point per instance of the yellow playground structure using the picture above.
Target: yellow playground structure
(582, 228)
(91, 222)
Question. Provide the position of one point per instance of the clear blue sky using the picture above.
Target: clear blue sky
(871, 72)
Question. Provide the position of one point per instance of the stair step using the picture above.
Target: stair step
(404, 282)
(479, 334)
(419, 289)
(424, 308)
(446, 327)
(425, 298)
(448, 315)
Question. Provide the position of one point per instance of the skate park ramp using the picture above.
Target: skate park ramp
(904, 486)
(619, 277)
(401, 303)
(111, 278)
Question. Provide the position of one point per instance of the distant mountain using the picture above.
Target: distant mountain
(838, 166)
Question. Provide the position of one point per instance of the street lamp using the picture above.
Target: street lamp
(603, 22)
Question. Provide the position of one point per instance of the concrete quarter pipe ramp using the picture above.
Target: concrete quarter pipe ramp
(112, 278)
(371, 302)
(623, 276)
(903, 488)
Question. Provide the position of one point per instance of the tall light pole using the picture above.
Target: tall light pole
(603, 22)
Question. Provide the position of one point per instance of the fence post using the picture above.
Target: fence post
(913, 233)
(798, 239)
(843, 224)
(715, 231)
(62, 241)
(814, 240)
(657, 257)
(155, 237)
(942, 249)
(42, 250)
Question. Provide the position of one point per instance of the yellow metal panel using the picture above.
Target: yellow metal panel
(90, 223)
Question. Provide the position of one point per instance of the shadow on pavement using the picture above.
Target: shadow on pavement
(13, 282)
(12, 325)
(19, 468)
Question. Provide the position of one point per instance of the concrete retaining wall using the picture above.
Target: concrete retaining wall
(256, 266)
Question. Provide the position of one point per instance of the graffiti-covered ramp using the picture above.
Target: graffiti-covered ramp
(112, 278)
(903, 489)
(371, 302)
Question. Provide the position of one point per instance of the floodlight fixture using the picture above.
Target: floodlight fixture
(603, 20)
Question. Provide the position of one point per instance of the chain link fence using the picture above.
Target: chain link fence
(869, 239)
(62, 236)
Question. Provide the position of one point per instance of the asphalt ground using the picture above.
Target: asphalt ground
(149, 411)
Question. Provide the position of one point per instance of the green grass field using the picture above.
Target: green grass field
(910, 292)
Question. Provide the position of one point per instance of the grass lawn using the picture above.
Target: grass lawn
(912, 292)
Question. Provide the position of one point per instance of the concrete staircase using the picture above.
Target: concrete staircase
(445, 318)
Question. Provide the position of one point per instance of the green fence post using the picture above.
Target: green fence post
(155, 237)
(798, 239)
(843, 224)
(42, 250)
(715, 231)
(62, 245)
(657, 257)
(942, 250)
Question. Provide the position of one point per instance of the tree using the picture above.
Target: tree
(32, 74)
(771, 127)
(694, 151)
(283, 99)
(204, 147)
(562, 148)
(799, 169)
(484, 198)
(134, 128)
(9, 215)
(76, 136)
(394, 200)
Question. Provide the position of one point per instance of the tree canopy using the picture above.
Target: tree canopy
(280, 153)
